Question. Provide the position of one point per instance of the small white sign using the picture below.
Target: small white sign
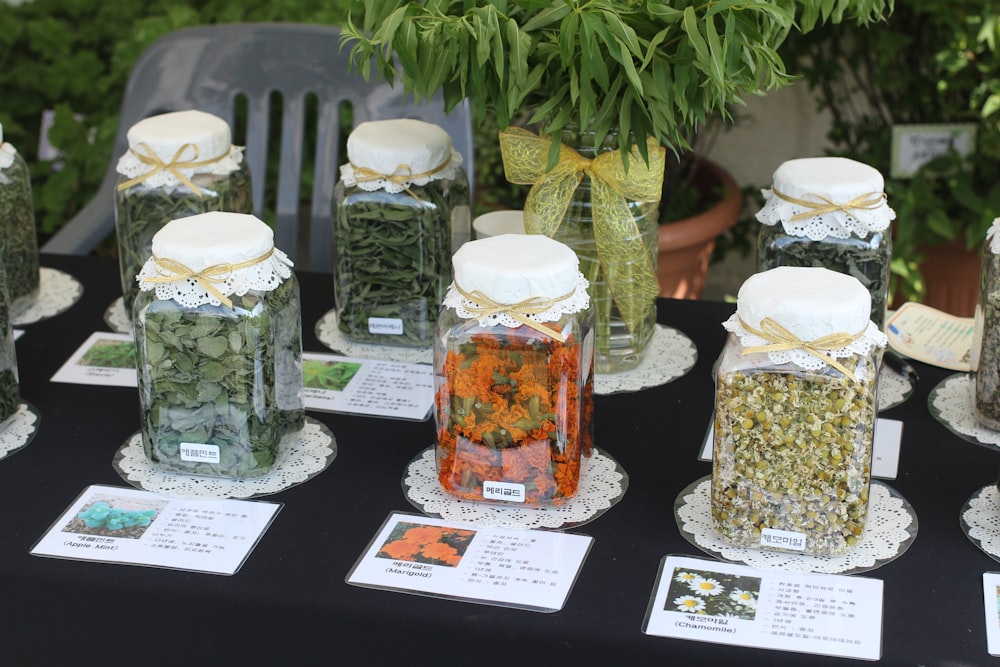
(124, 525)
(386, 326)
(103, 359)
(724, 603)
(885, 447)
(784, 539)
(508, 491)
(527, 569)
(913, 146)
(194, 451)
(991, 603)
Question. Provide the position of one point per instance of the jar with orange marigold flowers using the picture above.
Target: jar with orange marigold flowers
(513, 358)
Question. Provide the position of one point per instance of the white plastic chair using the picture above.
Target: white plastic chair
(210, 68)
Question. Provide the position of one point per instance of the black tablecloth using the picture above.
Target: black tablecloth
(289, 604)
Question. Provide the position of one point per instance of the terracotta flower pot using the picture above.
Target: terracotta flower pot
(686, 245)
(951, 274)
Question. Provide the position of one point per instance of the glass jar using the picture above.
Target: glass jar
(513, 372)
(401, 209)
(218, 339)
(177, 164)
(10, 389)
(795, 411)
(829, 212)
(986, 347)
(18, 238)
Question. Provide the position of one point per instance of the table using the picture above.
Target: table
(290, 603)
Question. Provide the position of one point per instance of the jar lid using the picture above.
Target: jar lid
(513, 269)
(207, 257)
(7, 152)
(808, 304)
(826, 196)
(393, 154)
(166, 149)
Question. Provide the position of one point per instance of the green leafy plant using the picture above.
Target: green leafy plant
(933, 61)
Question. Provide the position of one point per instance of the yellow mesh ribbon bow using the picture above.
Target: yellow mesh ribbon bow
(620, 249)
(208, 277)
(780, 339)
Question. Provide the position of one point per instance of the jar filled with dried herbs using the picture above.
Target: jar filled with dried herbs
(218, 339)
(177, 164)
(986, 348)
(10, 389)
(829, 212)
(795, 413)
(18, 239)
(513, 359)
(401, 210)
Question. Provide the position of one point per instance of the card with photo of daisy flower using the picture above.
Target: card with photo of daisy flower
(713, 593)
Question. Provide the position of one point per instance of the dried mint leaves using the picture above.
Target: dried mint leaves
(18, 239)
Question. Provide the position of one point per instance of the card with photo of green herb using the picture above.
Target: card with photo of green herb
(104, 358)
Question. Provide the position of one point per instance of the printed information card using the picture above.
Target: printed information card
(527, 569)
(725, 603)
(332, 383)
(932, 336)
(132, 527)
(991, 601)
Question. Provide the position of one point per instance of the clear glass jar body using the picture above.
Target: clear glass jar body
(141, 211)
(987, 371)
(513, 409)
(617, 347)
(220, 387)
(791, 461)
(10, 390)
(392, 258)
(866, 258)
(18, 238)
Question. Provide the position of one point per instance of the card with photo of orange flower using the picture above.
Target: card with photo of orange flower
(425, 544)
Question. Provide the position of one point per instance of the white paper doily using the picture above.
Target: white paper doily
(302, 456)
(890, 529)
(893, 388)
(980, 520)
(328, 334)
(669, 355)
(602, 484)
(952, 402)
(19, 429)
(116, 318)
(57, 291)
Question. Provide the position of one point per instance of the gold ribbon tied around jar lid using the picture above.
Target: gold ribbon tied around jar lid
(866, 202)
(620, 249)
(402, 176)
(485, 306)
(208, 277)
(172, 166)
(781, 339)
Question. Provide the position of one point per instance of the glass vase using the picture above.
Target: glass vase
(617, 348)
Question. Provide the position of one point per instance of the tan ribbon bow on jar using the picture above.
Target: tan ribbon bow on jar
(780, 339)
(173, 166)
(867, 202)
(518, 311)
(208, 277)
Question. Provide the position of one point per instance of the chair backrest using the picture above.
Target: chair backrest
(271, 70)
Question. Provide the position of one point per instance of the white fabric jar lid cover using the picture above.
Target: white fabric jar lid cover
(413, 151)
(512, 268)
(215, 239)
(7, 152)
(823, 180)
(810, 303)
(206, 140)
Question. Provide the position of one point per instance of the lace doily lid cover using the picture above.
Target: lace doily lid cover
(191, 142)
(826, 196)
(7, 152)
(404, 151)
(510, 428)
(810, 304)
(235, 250)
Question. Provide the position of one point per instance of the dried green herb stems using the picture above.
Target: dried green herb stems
(987, 393)
(793, 453)
(393, 259)
(141, 211)
(220, 377)
(10, 392)
(18, 241)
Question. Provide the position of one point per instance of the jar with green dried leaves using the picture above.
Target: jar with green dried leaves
(986, 348)
(401, 210)
(218, 347)
(795, 413)
(178, 164)
(10, 389)
(18, 239)
(829, 212)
